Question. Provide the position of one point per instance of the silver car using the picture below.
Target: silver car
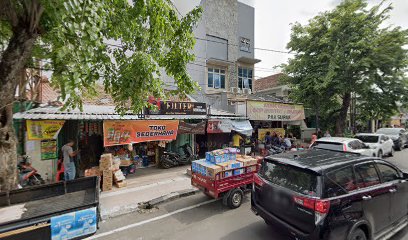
(344, 144)
(380, 143)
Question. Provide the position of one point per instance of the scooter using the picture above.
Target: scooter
(172, 159)
(28, 175)
(275, 150)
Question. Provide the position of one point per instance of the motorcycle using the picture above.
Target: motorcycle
(275, 150)
(28, 175)
(172, 159)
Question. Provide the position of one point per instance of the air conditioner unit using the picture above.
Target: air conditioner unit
(234, 90)
(247, 91)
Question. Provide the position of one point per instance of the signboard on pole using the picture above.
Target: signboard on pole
(126, 132)
(272, 111)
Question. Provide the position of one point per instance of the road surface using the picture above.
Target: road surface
(198, 217)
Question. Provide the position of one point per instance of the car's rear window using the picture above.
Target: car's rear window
(368, 139)
(290, 177)
(328, 145)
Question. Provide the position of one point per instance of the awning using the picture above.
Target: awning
(242, 127)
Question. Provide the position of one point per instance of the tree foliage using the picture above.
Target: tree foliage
(124, 44)
(346, 52)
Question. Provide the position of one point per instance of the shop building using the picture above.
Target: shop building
(134, 138)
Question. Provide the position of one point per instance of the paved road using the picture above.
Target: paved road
(198, 217)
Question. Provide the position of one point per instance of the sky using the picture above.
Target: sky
(273, 19)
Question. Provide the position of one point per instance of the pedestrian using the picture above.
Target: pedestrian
(314, 139)
(327, 134)
(275, 139)
(68, 155)
(237, 140)
(319, 133)
(287, 143)
(268, 140)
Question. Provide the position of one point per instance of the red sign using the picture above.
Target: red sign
(125, 132)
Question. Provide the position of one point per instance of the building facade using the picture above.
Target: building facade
(224, 50)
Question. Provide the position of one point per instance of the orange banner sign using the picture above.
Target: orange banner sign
(125, 132)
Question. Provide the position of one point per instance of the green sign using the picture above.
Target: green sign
(49, 149)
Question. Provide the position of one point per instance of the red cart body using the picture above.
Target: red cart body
(215, 187)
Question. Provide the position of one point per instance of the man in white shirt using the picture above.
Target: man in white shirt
(68, 155)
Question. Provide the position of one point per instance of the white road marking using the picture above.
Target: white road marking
(150, 220)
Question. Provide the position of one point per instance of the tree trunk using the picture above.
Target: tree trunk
(12, 62)
(341, 119)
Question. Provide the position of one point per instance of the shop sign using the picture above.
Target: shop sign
(125, 132)
(43, 129)
(271, 111)
(190, 128)
(73, 225)
(48, 149)
(262, 132)
(219, 126)
(177, 108)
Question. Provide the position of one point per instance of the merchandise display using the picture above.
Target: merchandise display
(223, 163)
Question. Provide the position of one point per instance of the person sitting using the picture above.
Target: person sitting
(287, 143)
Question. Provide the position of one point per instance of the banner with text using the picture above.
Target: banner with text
(125, 132)
(43, 129)
(271, 111)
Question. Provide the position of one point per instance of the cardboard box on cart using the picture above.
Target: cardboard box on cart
(213, 170)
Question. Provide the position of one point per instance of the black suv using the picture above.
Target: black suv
(324, 194)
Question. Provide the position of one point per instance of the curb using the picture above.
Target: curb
(167, 198)
(135, 207)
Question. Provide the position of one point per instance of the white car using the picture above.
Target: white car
(344, 144)
(380, 143)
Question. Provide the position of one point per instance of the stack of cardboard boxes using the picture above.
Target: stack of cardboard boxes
(111, 173)
(223, 163)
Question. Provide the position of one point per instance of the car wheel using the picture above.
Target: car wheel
(358, 234)
(235, 198)
(380, 154)
(392, 152)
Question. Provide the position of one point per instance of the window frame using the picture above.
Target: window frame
(241, 78)
(377, 163)
(217, 71)
(327, 178)
(376, 170)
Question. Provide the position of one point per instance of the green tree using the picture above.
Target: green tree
(124, 44)
(346, 52)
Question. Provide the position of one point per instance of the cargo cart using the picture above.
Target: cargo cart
(230, 189)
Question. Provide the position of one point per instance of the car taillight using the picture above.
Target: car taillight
(344, 147)
(258, 181)
(317, 205)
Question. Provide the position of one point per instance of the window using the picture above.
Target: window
(356, 145)
(367, 175)
(216, 78)
(368, 138)
(340, 182)
(244, 78)
(328, 145)
(388, 173)
(289, 177)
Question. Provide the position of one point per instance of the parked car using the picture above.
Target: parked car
(331, 195)
(380, 143)
(343, 144)
(398, 135)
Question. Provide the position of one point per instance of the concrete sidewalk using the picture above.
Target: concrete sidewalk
(145, 185)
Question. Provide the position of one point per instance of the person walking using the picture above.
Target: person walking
(68, 155)
(327, 134)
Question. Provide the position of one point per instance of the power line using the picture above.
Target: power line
(236, 45)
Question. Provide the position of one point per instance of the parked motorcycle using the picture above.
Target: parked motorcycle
(275, 150)
(172, 159)
(28, 175)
